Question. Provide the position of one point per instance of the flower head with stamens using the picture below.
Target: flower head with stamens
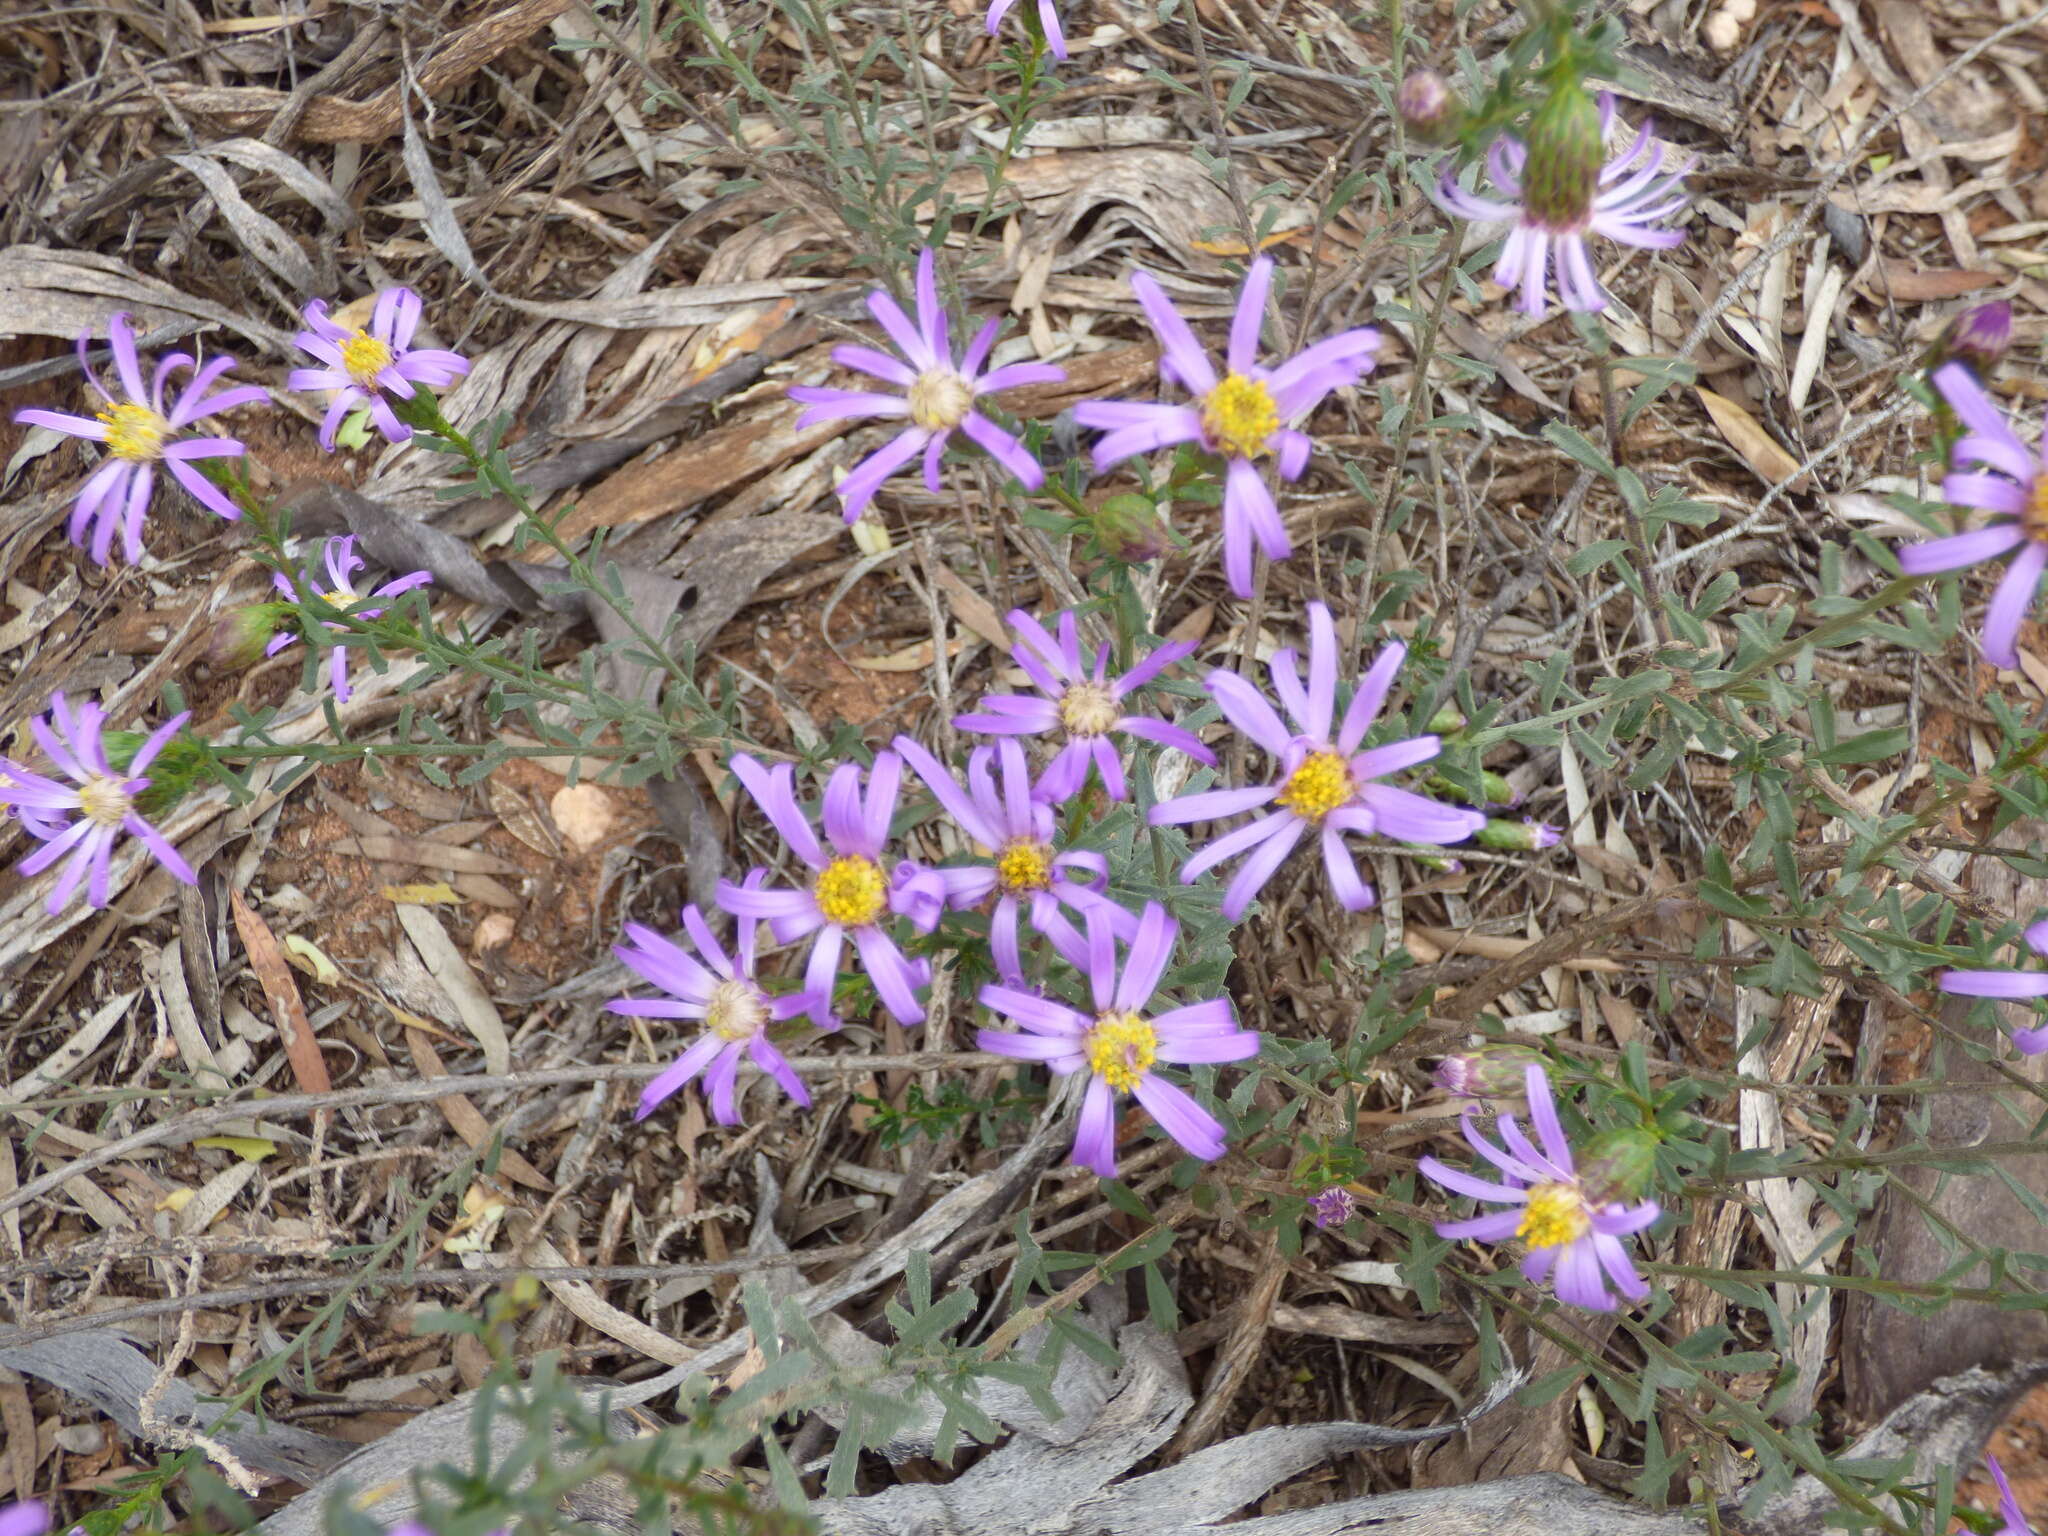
(2010, 481)
(81, 822)
(1116, 1041)
(938, 394)
(2010, 987)
(338, 591)
(29, 1518)
(142, 431)
(1333, 1207)
(1322, 782)
(1557, 192)
(851, 896)
(1247, 415)
(2008, 1505)
(721, 990)
(1085, 706)
(1567, 1231)
(1048, 20)
(373, 363)
(1019, 865)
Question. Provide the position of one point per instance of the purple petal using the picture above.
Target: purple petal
(1250, 317)
(1260, 865)
(1246, 708)
(1038, 1014)
(841, 404)
(1378, 762)
(685, 1067)
(1198, 1132)
(1966, 397)
(896, 979)
(1147, 958)
(1465, 1184)
(1003, 448)
(1182, 356)
(1241, 1045)
(1042, 1048)
(1411, 818)
(2009, 604)
(1959, 550)
(774, 791)
(889, 315)
(1353, 894)
(1095, 1134)
(2010, 985)
(1167, 426)
(1211, 805)
(880, 365)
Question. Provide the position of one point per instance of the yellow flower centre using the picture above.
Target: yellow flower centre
(2034, 517)
(338, 599)
(1089, 709)
(939, 398)
(1318, 786)
(1024, 866)
(1238, 415)
(363, 357)
(737, 1010)
(851, 891)
(1555, 1215)
(104, 801)
(135, 433)
(1121, 1049)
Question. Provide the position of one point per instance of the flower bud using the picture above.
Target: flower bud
(1617, 1165)
(871, 536)
(1127, 529)
(1428, 106)
(242, 633)
(1565, 153)
(1976, 338)
(1493, 1071)
(1334, 1206)
(1524, 836)
(1447, 721)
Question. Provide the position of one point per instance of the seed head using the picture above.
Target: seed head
(1565, 152)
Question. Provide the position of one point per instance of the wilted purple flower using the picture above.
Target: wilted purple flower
(84, 819)
(1323, 782)
(1048, 18)
(721, 990)
(1489, 1071)
(1245, 416)
(1334, 1206)
(851, 895)
(338, 591)
(1426, 103)
(1564, 1229)
(371, 364)
(1118, 1044)
(1557, 192)
(2008, 986)
(938, 394)
(1977, 337)
(2008, 1505)
(29, 1518)
(1085, 707)
(2015, 492)
(1019, 864)
(141, 432)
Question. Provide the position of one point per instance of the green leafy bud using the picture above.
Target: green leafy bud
(1127, 528)
(1617, 1165)
(1429, 108)
(1496, 1070)
(242, 633)
(1524, 836)
(1565, 153)
(1447, 721)
(171, 772)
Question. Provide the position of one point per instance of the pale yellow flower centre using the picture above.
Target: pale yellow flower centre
(1024, 866)
(363, 357)
(1121, 1049)
(1089, 709)
(2034, 517)
(1555, 1215)
(1238, 415)
(737, 1010)
(135, 433)
(338, 599)
(104, 802)
(851, 891)
(1318, 786)
(939, 398)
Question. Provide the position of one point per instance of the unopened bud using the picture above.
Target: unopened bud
(1428, 106)
(1976, 338)
(1334, 1206)
(1493, 1071)
(1127, 529)
(1447, 721)
(1524, 836)
(1565, 152)
(1617, 1165)
(242, 633)
(871, 536)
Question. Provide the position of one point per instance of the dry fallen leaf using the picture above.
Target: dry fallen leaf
(281, 994)
(1759, 450)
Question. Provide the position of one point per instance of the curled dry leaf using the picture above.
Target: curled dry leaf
(1746, 435)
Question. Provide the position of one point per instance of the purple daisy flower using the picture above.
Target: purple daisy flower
(371, 364)
(1086, 707)
(938, 394)
(2008, 986)
(1556, 191)
(1118, 1044)
(1323, 782)
(1048, 18)
(2010, 481)
(339, 591)
(31, 1518)
(1242, 418)
(1334, 1206)
(84, 819)
(141, 432)
(851, 895)
(2008, 1505)
(1564, 1229)
(1019, 866)
(721, 990)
